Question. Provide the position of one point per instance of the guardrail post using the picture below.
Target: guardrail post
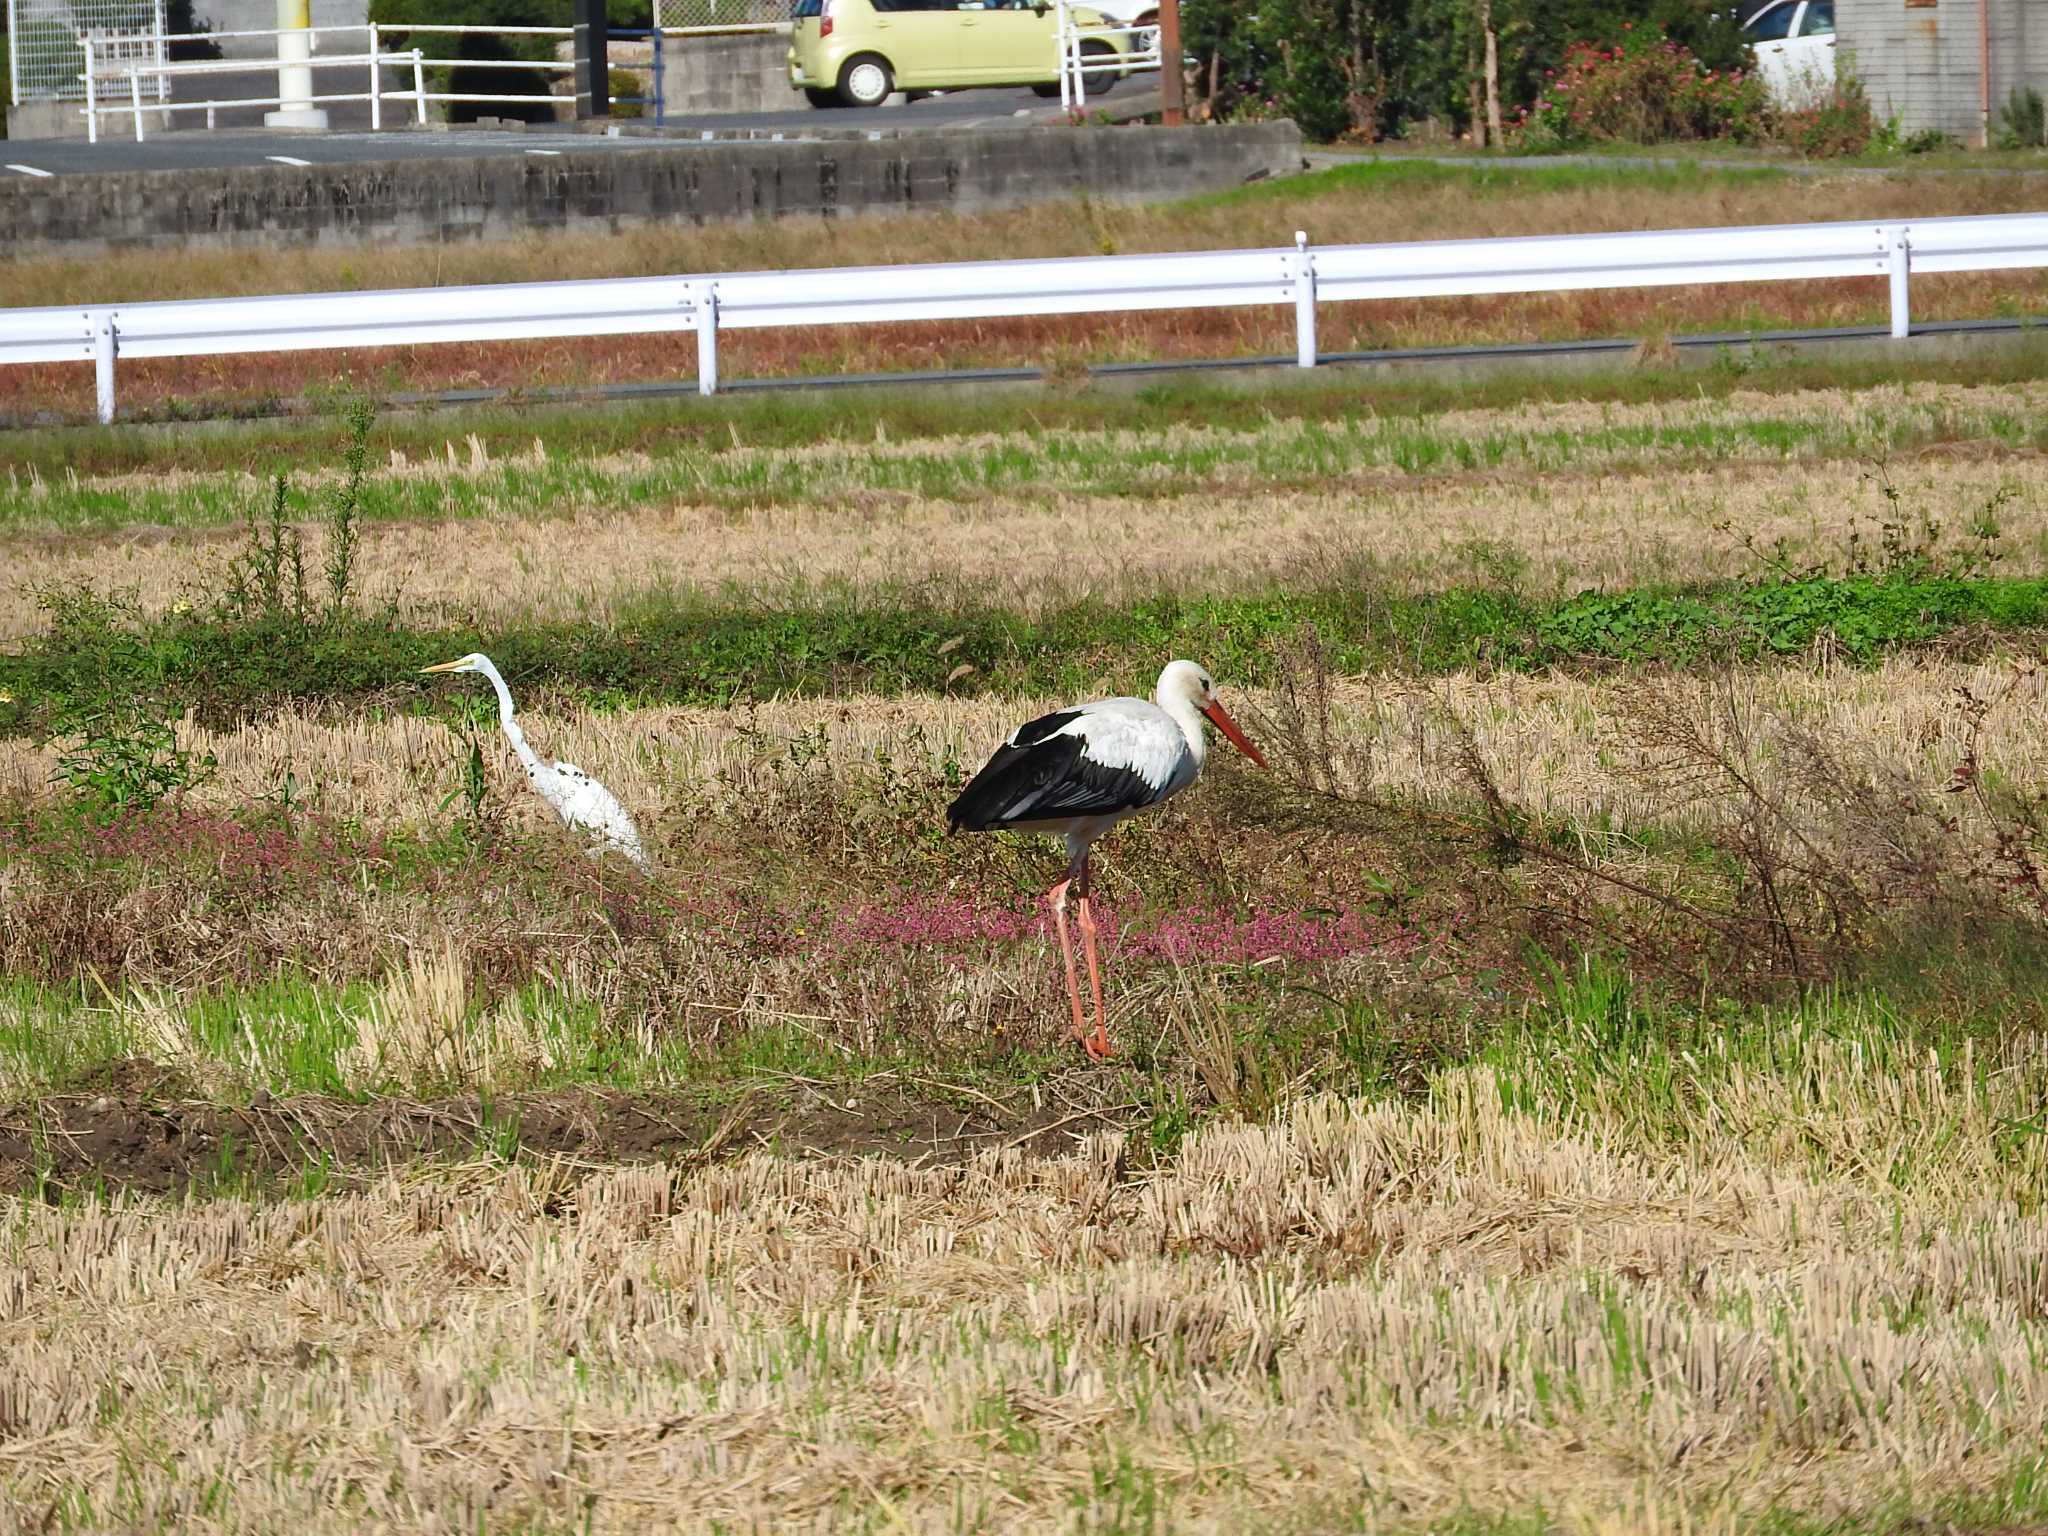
(135, 100)
(419, 90)
(1899, 257)
(1304, 302)
(376, 99)
(103, 362)
(706, 300)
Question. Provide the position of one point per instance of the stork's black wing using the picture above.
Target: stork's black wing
(1043, 772)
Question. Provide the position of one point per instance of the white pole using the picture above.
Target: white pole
(376, 102)
(295, 107)
(419, 90)
(1304, 302)
(1066, 83)
(1900, 257)
(103, 364)
(92, 100)
(135, 99)
(707, 340)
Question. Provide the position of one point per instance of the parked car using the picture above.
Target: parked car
(855, 52)
(1794, 44)
(1141, 16)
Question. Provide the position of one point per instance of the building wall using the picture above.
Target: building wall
(1920, 60)
(256, 15)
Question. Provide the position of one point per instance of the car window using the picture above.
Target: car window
(914, 5)
(1819, 18)
(1772, 25)
(802, 8)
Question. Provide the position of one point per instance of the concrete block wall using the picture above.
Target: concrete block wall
(743, 72)
(507, 195)
(1920, 60)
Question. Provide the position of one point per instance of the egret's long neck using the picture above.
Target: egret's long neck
(1187, 717)
(513, 733)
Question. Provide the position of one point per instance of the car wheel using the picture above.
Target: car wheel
(820, 98)
(1046, 89)
(1099, 81)
(866, 81)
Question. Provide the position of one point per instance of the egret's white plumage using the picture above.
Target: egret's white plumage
(585, 806)
(1078, 772)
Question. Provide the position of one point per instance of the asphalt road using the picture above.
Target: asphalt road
(189, 146)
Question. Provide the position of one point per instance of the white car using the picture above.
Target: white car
(1794, 44)
(1142, 16)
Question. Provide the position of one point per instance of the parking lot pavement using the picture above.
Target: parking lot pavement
(190, 147)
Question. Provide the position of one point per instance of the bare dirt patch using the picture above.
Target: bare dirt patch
(138, 1131)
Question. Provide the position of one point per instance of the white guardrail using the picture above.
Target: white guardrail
(1300, 275)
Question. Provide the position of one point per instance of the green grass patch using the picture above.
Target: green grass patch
(693, 649)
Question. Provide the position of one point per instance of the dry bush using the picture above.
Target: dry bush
(1795, 844)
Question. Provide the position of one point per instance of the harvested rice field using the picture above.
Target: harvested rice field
(1591, 1081)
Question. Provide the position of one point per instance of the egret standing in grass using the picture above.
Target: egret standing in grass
(585, 806)
(1078, 772)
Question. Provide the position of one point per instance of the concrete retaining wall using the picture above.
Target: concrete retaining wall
(747, 72)
(508, 195)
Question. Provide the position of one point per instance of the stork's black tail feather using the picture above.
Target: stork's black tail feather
(1010, 784)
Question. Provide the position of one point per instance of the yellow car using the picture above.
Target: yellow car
(855, 52)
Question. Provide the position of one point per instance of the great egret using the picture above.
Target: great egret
(1078, 772)
(585, 806)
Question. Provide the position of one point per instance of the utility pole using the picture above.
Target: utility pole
(1172, 83)
(1492, 73)
(593, 62)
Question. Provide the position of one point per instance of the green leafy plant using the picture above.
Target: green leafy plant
(473, 786)
(124, 761)
(1893, 139)
(2022, 121)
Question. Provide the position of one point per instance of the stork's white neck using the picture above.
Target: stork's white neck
(1181, 709)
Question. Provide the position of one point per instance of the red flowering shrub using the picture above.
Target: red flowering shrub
(1645, 90)
(1838, 123)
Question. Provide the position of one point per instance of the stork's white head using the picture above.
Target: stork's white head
(1189, 684)
(475, 661)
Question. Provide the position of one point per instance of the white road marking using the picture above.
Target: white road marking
(543, 151)
(28, 170)
(287, 160)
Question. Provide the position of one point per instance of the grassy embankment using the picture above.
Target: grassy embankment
(1348, 203)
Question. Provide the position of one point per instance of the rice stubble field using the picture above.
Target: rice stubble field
(1592, 1083)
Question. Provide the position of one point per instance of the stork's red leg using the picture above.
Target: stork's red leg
(1057, 899)
(1097, 1044)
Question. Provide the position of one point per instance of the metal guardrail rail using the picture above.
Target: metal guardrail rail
(1301, 275)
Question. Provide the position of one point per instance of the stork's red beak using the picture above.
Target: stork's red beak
(1228, 727)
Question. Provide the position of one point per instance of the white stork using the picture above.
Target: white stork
(1078, 772)
(585, 806)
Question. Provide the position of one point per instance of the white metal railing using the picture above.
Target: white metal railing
(133, 103)
(128, 78)
(1297, 275)
(1118, 50)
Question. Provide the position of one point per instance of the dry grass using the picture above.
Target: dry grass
(1567, 748)
(1331, 208)
(1207, 513)
(1816, 1289)
(1335, 208)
